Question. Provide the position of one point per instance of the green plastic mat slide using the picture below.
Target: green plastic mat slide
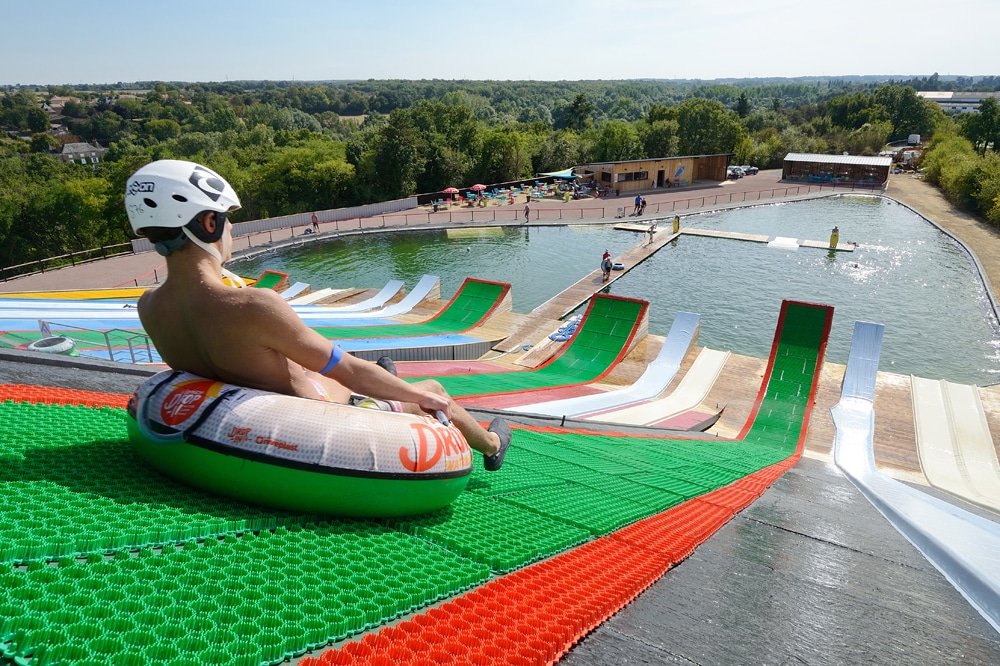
(471, 305)
(270, 279)
(104, 561)
(601, 340)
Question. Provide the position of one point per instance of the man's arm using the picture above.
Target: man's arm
(286, 333)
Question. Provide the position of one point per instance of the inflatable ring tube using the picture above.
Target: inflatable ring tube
(53, 345)
(618, 267)
(296, 454)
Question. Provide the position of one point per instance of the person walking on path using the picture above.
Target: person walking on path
(527, 213)
(652, 230)
(606, 269)
(252, 337)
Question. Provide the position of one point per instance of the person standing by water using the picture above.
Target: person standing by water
(606, 266)
(315, 222)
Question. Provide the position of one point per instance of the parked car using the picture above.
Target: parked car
(734, 173)
(749, 170)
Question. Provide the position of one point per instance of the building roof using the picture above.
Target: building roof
(947, 96)
(839, 159)
(80, 148)
(659, 159)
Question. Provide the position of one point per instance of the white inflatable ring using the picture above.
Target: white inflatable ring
(56, 344)
(294, 453)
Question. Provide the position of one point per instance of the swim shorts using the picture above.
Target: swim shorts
(371, 403)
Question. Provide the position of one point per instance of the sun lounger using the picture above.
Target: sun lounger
(653, 381)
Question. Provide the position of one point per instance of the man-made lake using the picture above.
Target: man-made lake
(905, 274)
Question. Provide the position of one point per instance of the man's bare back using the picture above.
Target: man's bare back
(222, 334)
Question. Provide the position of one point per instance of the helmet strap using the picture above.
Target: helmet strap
(202, 244)
(233, 277)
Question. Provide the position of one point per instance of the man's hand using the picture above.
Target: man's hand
(432, 403)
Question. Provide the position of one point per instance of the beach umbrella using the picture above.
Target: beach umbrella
(478, 187)
(450, 190)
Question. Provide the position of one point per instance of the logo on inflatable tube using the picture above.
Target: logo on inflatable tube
(185, 398)
(434, 440)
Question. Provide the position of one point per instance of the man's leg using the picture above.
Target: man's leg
(491, 443)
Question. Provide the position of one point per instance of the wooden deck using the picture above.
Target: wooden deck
(761, 238)
(575, 295)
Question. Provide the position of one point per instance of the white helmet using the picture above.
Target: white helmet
(172, 193)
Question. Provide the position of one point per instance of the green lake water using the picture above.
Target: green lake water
(905, 274)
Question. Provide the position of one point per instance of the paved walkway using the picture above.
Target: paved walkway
(148, 269)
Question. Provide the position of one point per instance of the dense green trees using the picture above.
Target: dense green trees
(983, 129)
(966, 178)
(291, 148)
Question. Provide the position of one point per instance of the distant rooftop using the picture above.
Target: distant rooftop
(839, 159)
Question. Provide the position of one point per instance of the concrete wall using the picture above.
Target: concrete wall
(659, 172)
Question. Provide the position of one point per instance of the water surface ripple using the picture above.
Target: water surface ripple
(905, 274)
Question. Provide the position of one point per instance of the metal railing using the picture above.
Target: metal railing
(364, 218)
(136, 342)
(506, 212)
(60, 261)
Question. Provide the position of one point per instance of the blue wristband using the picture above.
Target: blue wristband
(335, 357)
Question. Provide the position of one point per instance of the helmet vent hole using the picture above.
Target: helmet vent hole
(178, 197)
(149, 202)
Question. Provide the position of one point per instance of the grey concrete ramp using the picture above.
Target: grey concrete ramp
(810, 573)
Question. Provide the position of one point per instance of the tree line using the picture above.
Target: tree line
(295, 148)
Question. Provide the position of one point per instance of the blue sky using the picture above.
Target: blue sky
(73, 42)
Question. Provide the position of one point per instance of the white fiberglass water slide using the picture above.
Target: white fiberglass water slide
(964, 547)
(653, 381)
(125, 315)
(694, 387)
(953, 441)
(314, 296)
(295, 290)
(422, 289)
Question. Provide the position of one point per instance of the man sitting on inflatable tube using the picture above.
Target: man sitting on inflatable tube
(251, 337)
